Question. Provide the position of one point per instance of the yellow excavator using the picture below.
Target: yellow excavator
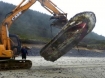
(10, 44)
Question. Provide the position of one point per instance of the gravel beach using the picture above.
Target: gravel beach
(65, 67)
(76, 63)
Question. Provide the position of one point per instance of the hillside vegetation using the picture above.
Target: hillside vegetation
(35, 25)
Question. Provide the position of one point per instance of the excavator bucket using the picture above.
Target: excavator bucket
(70, 35)
(59, 21)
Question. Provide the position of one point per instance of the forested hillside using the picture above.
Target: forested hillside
(34, 25)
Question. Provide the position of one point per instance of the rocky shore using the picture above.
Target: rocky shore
(75, 52)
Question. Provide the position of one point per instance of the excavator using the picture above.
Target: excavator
(72, 31)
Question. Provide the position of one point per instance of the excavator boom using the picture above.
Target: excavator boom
(19, 10)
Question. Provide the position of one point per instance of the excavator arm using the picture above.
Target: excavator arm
(47, 4)
(59, 15)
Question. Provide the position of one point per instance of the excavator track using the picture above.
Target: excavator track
(15, 64)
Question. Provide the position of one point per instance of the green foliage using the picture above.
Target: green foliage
(93, 35)
(92, 44)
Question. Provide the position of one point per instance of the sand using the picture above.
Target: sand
(65, 67)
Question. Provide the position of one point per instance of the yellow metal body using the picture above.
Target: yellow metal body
(5, 46)
(5, 53)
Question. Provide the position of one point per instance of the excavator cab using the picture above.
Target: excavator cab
(8, 64)
(15, 45)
